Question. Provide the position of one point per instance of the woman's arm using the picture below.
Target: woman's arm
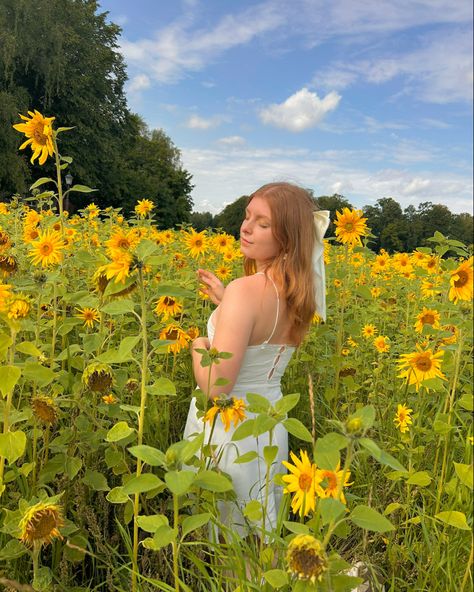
(237, 315)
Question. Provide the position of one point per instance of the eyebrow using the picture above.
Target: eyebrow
(259, 217)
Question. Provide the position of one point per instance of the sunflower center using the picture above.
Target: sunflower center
(349, 226)
(402, 416)
(428, 319)
(198, 243)
(423, 363)
(43, 525)
(168, 301)
(123, 243)
(46, 249)
(462, 279)
(331, 480)
(305, 481)
(39, 137)
(172, 334)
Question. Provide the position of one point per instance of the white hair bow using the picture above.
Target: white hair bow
(321, 223)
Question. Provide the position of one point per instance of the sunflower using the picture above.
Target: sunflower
(369, 331)
(461, 282)
(30, 234)
(402, 262)
(429, 287)
(118, 268)
(333, 483)
(402, 418)
(223, 272)
(431, 264)
(454, 334)
(3, 208)
(420, 366)
(122, 240)
(375, 291)
(381, 262)
(44, 409)
(5, 242)
(174, 333)
(381, 344)
(109, 399)
(350, 227)
(39, 133)
(92, 211)
(88, 315)
(144, 207)
(229, 410)
(41, 523)
(32, 218)
(47, 250)
(18, 307)
(306, 558)
(98, 377)
(193, 333)
(357, 259)
(222, 242)
(427, 316)
(304, 482)
(167, 307)
(8, 265)
(196, 242)
(179, 260)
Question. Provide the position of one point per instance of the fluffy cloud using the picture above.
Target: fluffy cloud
(138, 83)
(231, 141)
(301, 111)
(200, 123)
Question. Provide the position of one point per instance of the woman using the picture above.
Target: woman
(261, 318)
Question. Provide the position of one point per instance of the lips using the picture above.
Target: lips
(244, 241)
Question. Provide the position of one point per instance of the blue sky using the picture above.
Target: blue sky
(366, 98)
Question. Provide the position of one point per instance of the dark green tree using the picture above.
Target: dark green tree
(231, 216)
(202, 221)
(386, 211)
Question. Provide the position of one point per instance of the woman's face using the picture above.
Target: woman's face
(256, 237)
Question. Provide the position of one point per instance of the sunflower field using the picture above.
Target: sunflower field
(99, 490)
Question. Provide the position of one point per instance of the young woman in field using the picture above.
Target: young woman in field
(260, 319)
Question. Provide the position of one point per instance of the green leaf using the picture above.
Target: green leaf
(95, 480)
(253, 510)
(119, 431)
(152, 523)
(344, 583)
(28, 348)
(212, 481)
(466, 402)
(148, 454)
(146, 248)
(38, 373)
(453, 518)
(82, 189)
(421, 478)
(464, 473)
(164, 536)
(244, 430)
(117, 496)
(257, 403)
(12, 550)
(392, 507)
(296, 527)
(12, 445)
(277, 578)
(269, 454)
(9, 376)
(247, 457)
(263, 423)
(142, 483)
(72, 466)
(42, 181)
(366, 415)
(162, 387)
(42, 580)
(191, 447)
(194, 522)
(383, 457)
(326, 453)
(331, 509)
(294, 427)
(179, 482)
(175, 291)
(118, 307)
(370, 519)
(287, 403)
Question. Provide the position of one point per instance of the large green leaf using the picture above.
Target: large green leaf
(464, 473)
(297, 429)
(277, 578)
(148, 454)
(142, 483)
(213, 481)
(370, 519)
(454, 518)
(383, 457)
(179, 482)
(12, 445)
(194, 522)
(95, 480)
(9, 376)
(119, 431)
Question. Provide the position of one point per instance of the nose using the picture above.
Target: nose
(245, 227)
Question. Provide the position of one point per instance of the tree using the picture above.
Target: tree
(231, 216)
(202, 221)
(386, 211)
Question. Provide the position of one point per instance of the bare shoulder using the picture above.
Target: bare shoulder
(249, 284)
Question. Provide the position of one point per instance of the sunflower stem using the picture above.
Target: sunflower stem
(175, 543)
(59, 183)
(6, 410)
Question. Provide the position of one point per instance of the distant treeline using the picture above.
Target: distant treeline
(394, 228)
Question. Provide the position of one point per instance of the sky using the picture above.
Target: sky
(364, 98)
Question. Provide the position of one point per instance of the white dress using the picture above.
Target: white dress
(261, 372)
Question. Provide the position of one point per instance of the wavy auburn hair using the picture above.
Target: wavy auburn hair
(292, 210)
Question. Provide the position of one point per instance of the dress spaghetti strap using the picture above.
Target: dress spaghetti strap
(278, 307)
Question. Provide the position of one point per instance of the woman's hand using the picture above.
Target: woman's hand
(201, 343)
(213, 287)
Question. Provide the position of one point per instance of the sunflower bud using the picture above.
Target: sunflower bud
(44, 409)
(354, 425)
(306, 558)
(98, 377)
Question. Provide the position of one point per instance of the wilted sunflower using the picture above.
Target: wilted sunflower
(47, 250)
(427, 316)
(167, 307)
(44, 409)
(174, 333)
(5, 242)
(420, 366)
(332, 482)
(461, 282)
(196, 242)
(8, 265)
(41, 523)
(88, 315)
(303, 482)
(229, 410)
(18, 307)
(306, 558)
(402, 418)
(144, 207)
(39, 131)
(98, 377)
(350, 226)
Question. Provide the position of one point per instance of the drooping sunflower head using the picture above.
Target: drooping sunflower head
(168, 306)
(44, 409)
(39, 133)
(41, 523)
(306, 558)
(8, 265)
(5, 242)
(19, 306)
(98, 377)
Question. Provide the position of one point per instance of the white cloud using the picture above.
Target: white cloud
(300, 111)
(201, 123)
(138, 83)
(232, 141)
(219, 179)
